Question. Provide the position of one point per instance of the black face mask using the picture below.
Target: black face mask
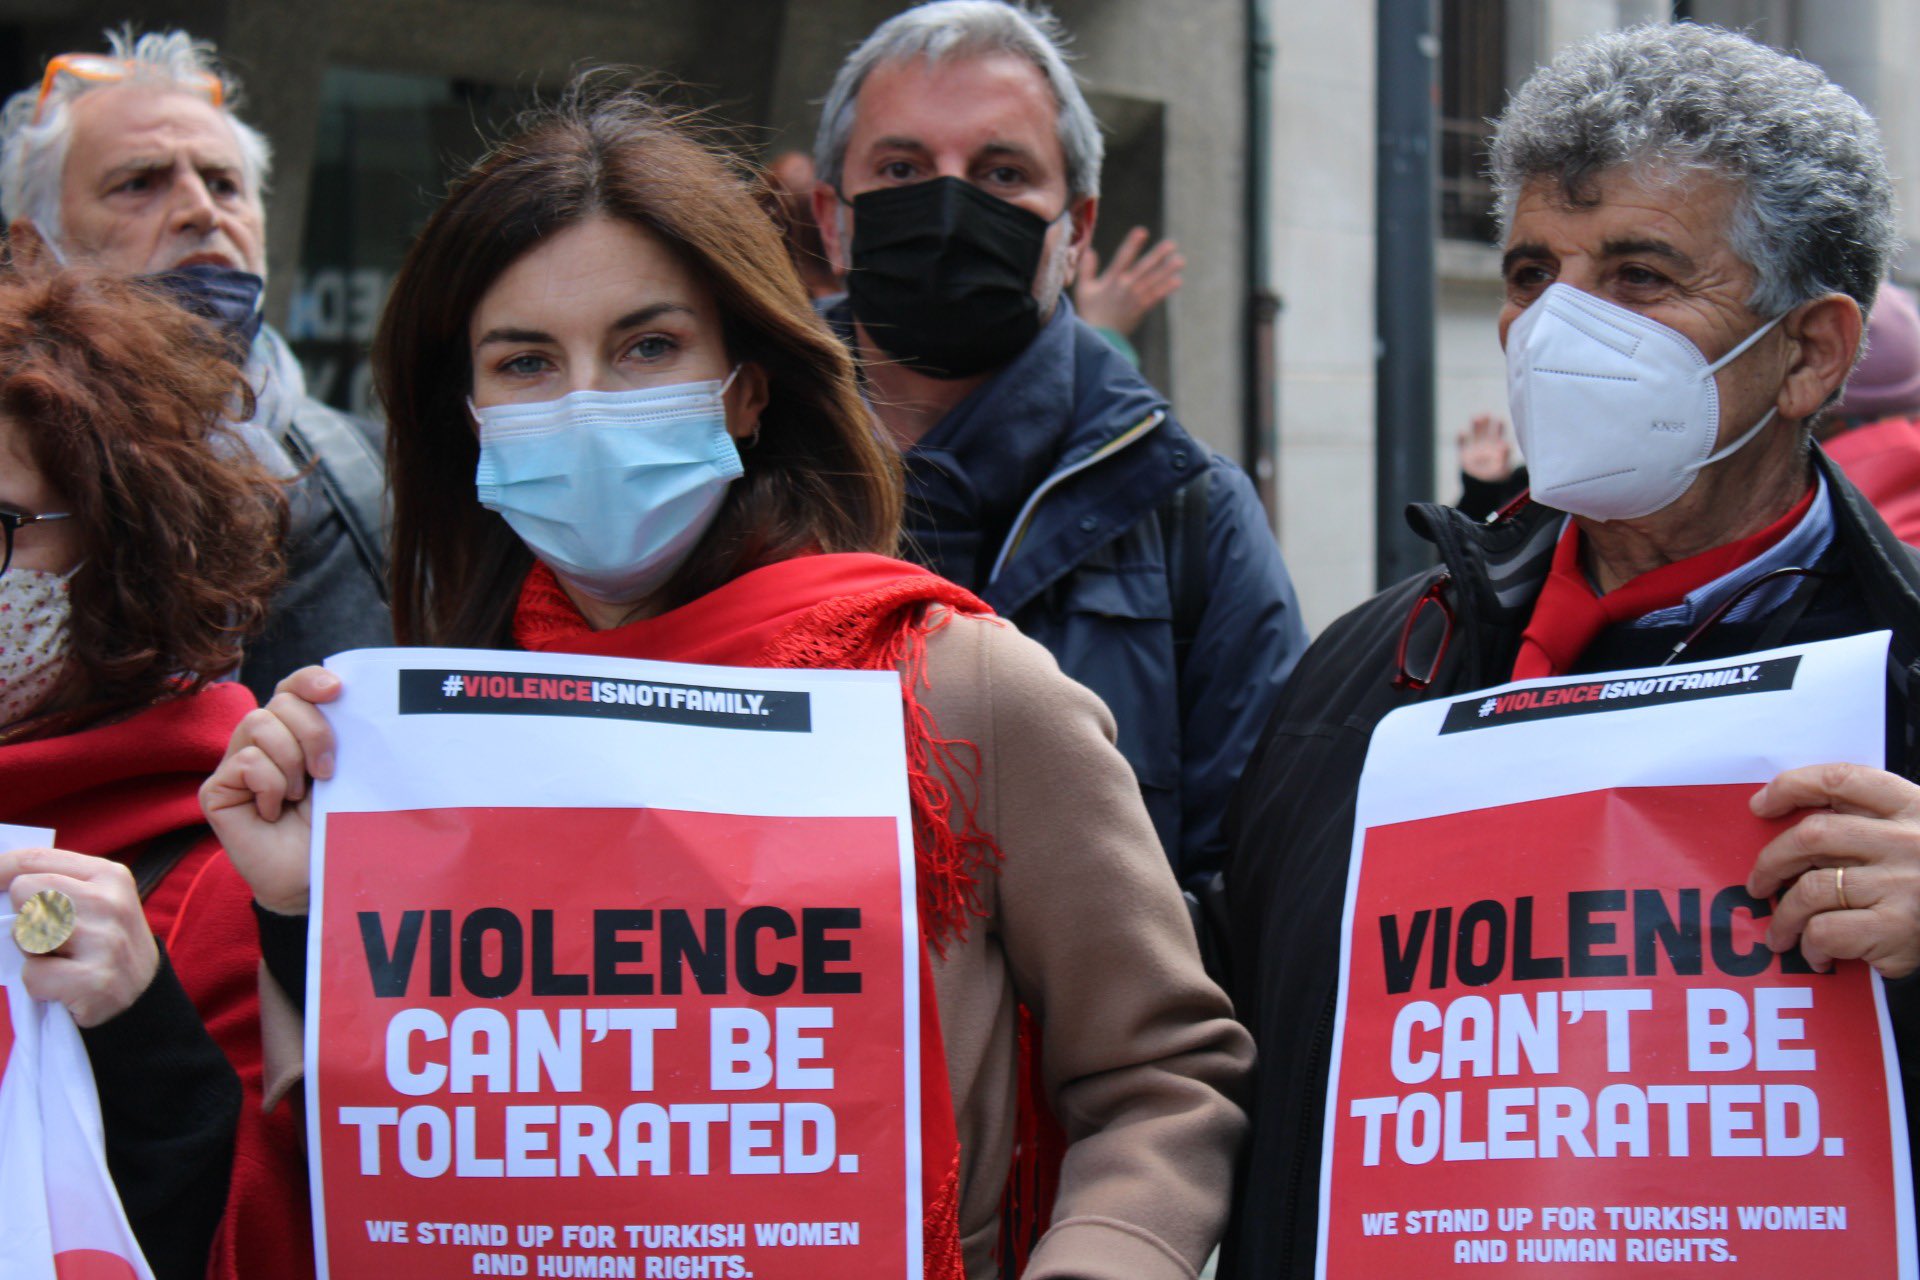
(226, 296)
(943, 275)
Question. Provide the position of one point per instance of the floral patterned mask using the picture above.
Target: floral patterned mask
(34, 640)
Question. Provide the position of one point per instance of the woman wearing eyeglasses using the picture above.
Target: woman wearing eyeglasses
(674, 463)
(136, 552)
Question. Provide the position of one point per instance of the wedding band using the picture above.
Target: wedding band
(45, 922)
(1840, 887)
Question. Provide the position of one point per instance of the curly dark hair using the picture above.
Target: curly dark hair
(122, 397)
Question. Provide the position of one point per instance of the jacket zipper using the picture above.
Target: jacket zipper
(1138, 431)
(1317, 1064)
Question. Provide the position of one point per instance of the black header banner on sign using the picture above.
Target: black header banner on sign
(446, 692)
(1584, 697)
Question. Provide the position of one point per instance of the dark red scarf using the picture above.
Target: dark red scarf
(111, 787)
(1569, 614)
(861, 612)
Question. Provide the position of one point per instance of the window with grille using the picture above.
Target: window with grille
(1473, 91)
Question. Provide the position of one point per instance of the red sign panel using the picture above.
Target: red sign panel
(1567, 1047)
(613, 1042)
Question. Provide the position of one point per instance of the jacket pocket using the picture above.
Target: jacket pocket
(1113, 632)
(1114, 593)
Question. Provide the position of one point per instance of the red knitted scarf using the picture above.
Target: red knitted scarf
(866, 613)
(1569, 614)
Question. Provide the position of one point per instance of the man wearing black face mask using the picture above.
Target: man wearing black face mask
(134, 161)
(960, 177)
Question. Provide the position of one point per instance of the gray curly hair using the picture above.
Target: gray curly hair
(948, 29)
(1815, 213)
(32, 154)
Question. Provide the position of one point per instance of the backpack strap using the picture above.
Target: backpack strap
(349, 473)
(163, 854)
(1185, 516)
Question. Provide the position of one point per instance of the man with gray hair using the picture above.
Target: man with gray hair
(135, 161)
(1694, 225)
(959, 170)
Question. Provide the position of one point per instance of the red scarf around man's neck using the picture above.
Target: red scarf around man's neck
(1569, 614)
(868, 613)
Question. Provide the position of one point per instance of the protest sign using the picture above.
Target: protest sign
(614, 970)
(14, 836)
(1562, 1040)
(60, 1217)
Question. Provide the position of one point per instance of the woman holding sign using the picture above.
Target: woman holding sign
(674, 463)
(135, 556)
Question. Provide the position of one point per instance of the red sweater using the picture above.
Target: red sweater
(1883, 460)
(109, 791)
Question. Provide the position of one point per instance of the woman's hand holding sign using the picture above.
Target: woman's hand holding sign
(1850, 869)
(110, 957)
(259, 799)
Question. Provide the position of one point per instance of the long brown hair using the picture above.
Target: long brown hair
(819, 478)
(121, 397)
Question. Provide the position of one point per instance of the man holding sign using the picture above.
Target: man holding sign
(1573, 1010)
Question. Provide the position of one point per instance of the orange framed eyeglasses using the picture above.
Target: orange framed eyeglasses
(102, 69)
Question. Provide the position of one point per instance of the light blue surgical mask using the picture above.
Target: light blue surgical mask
(612, 489)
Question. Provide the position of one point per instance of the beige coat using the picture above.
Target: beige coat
(1144, 1064)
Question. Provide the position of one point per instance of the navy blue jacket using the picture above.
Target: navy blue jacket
(1046, 492)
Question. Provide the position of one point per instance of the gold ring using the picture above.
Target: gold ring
(45, 922)
(1840, 887)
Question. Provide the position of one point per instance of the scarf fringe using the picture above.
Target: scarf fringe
(953, 855)
(1039, 1147)
(941, 1256)
(955, 858)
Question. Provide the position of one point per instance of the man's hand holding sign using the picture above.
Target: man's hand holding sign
(1848, 873)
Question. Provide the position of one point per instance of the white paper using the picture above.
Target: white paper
(16, 837)
(55, 1196)
(1725, 721)
(1413, 772)
(849, 762)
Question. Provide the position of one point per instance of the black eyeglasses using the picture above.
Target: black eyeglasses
(12, 519)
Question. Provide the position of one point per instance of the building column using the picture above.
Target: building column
(1321, 245)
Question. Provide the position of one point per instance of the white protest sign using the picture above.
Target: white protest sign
(613, 970)
(1561, 1038)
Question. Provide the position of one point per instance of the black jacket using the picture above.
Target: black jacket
(335, 594)
(1291, 827)
(170, 1106)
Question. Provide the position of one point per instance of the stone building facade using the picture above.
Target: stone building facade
(1322, 246)
(370, 104)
